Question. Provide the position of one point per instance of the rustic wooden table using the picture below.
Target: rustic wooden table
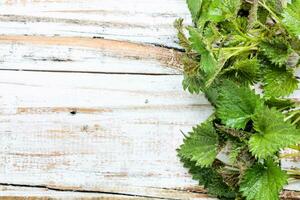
(91, 102)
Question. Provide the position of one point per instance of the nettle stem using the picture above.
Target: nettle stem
(274, 16)
(294, 172)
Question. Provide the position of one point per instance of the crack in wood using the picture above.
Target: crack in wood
(285, 195)
(92, 72)
(52, 188)
(168, 57)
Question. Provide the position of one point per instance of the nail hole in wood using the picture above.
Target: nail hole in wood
(73, 112)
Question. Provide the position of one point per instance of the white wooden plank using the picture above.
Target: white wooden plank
(146, 21)
(35, 193)
(32, 193)
(122, 138)
(85, 55)
(68, 58)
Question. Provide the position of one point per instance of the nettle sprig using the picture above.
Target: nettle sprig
(242, 54)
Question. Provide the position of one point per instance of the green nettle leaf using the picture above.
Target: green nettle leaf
(197, 41)
(276, 50)
(194, 6)
(244, 71)
(263, 182)
(190, 66)
(291, 17)
(212, 93)
(207, 63)
(262, 15)
(280, 104)
(192, 83)
(235, 150)
(210, 179)
(237, 104)
(211, 34)
(210, 12)
(273, 133)
(279, 82)
(218, 10)
(231, 7)
(276, 5)
(201, 145)
(183, 41)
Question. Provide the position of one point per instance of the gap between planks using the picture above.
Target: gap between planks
(115, 195)
(42, 191)
(48, 192)
(90, 72)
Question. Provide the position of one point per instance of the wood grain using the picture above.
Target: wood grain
(85, 55)
(91, 102)
(41, 192)
(111, 133)
(144, 21)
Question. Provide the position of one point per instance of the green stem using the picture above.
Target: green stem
(262, 25)
(295, 147)
(294, 172)
(275, 17)
(240, 32)
(296, 121)
(291, 114)
(252, 47)
(232, 168)
(291, 155)
(243, 49)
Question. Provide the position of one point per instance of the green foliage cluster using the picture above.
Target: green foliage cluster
(242, 54)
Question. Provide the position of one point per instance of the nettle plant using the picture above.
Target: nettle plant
(243, 56)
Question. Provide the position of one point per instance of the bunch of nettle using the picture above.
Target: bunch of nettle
(242, 54)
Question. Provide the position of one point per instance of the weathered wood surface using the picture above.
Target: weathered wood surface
(76, 54)
(85, 117)
(147, 21)
(97, 132)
